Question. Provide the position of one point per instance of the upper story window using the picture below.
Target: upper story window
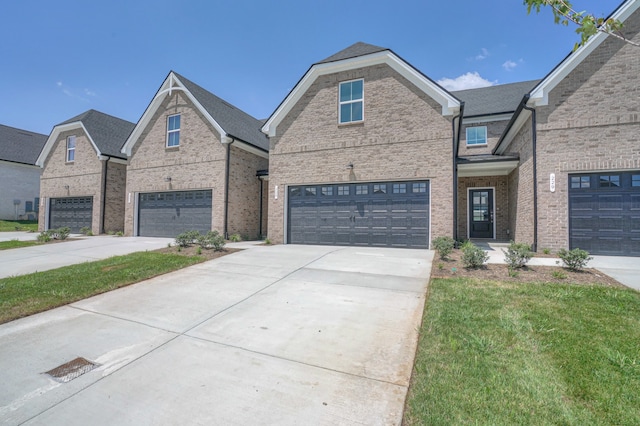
(351, 101)
(477, 135)
(173, 130)
(71, 149)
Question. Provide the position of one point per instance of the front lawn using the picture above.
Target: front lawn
(6, 245)
(28, 294)
(500, 352)
(18, 225)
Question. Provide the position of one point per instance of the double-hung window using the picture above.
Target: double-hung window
(71, 149)
(351, 101)
(477, 135)
(173, 130)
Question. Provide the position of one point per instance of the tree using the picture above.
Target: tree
(587, 23)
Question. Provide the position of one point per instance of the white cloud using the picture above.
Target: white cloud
(482, 55)
(470, 80)
(509, 65)
(59, 84)
(89, 92)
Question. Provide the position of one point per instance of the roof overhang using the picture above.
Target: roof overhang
(53, 137)
(506, 116)
(539, 96)
(171, 84)
(450, 104)
(487, 168)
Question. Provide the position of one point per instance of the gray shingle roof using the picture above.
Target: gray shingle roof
(490, 100)
(20, 146)
(234, 121)
(108, 132)
(355, 50)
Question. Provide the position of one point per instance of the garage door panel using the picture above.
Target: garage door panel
(602, 213)
(72, 212)
(167, 214)
(385, 214)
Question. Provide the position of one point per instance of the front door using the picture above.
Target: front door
(481, 213)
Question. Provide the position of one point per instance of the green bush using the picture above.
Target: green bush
(44, 237)
(444, 246)
(187, 238)
(85, 230)
(211, 239)
(517, 255)
(235, 238)
(60, 233)
(575, 259)
(473, 256)
(119, 234)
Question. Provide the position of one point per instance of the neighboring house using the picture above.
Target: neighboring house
(576, 134)
(195, 163)
(19, 175)
(362, 154)
(84, 174)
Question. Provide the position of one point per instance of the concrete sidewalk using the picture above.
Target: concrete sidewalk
(625, 270)
(55, 255)
(282, 335)
(19, 235)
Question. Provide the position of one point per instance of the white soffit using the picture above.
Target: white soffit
(494, 168)
(540, 94)
(53, 137)
(450, 105)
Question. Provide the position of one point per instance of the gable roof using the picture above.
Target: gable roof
(20, 146)
(539, 95)
(106, 133)
(493, 100)
(361, 55)
(230, 122)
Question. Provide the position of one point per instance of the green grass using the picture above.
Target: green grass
(528, 354)
(28, 294)
(6, 245)
(18, 225)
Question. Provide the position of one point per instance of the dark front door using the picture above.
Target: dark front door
(481, 213)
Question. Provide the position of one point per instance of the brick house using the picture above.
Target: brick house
(20, 177)
(83, 174)
(195, 162)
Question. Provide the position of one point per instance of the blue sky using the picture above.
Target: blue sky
(62, 58)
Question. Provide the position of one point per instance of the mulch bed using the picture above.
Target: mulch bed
(453, 267)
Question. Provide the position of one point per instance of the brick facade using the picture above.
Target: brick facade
(500, 193)
(198, 163)
(403, 136)
(494, 131)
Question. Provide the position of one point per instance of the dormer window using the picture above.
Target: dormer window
(71, 149)
(477, 135)
(173, 131)
(351, 101)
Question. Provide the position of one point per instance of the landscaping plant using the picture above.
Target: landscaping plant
(211, 239)
(575, 259)
(444, 246)
(473, 256)
(517, 255)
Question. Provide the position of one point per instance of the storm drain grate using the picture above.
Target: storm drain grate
(71, 370)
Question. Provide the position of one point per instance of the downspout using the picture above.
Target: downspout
(104, 195)
(455, 166)
(534, 246)
(226, 190)
(261, 203)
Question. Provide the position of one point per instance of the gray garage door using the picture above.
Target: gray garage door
(71, 212)
(167, 214)
(604, 213)
(385, 214)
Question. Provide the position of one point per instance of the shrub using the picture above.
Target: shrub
(119, 234)
(444, 246)
(187, 238)
(267, 241)
(211, 239)
(575, 259)
(199, 251)
(517, 255)
(546, 251)
(235, 238)
(559, 275)
(60, 233)
(85, 230)
(473, 256)
(44, 237)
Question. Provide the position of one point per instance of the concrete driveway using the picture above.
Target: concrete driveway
(270, 335)
(55, 255)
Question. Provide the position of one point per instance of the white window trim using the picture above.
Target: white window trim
(340, 103)
(169, 132)
(69, 138)
(486, 136)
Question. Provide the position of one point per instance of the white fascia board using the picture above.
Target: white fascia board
(488, 118)
(171, 83)
(513, 131)
(249, 148)
(500, 168)
(450, 105)
(55, 133)
(540, 94)
(112, 159)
